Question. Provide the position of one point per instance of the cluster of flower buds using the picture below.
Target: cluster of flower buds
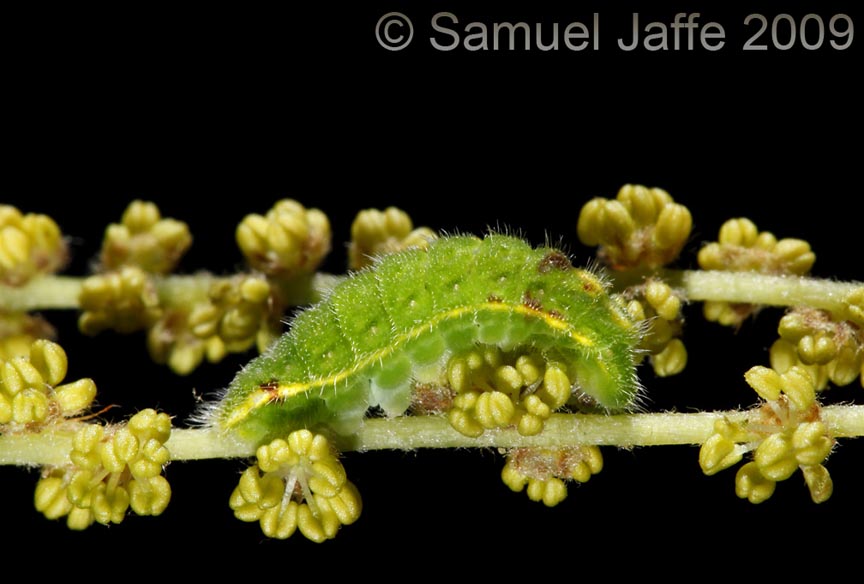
(657, 305)
(784, 434)
(640, 227)
(111, 469)
(297, 484)
(831, 350)
(32, 393)
(741, 247)
(145, 239)
(190, 319)
(288, 241)
(236, 314)
(829, 345)
(494, 389)
(545, 471)
(30, 245)
(375, 233)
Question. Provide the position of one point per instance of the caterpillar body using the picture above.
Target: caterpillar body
(395, 324)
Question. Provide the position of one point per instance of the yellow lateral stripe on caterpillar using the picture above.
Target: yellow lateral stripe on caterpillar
(261, 397)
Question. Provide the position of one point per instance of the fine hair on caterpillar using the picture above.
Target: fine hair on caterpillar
(394, 326)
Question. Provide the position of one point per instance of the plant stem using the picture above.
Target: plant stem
(753, 288)
(52, 447)
(43, 293)
(61, 292)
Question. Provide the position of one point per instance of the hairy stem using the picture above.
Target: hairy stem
(43, 293)
(61, 292)
(413, 432)
(753, 288)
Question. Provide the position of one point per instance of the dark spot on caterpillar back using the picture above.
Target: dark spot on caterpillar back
(554, 260)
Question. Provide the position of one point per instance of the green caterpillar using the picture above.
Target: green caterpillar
(395, 324)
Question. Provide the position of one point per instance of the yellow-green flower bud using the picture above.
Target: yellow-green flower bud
(50, 498)
(79, 519)
(49, 359)
(76, 396)
(255, 290)
(750, 484)
(148, 424)
(590, 462)
(535, 406)
(529, 424)
(464, 423)
(741, 231)
(530, 368)
(640, 205)
(662, 299)
(317, 528)
(18, 375)
(346, 504)
(508, 380)
(30, 406)
(671, 360)
(798, 387)
(618, 224)
(14, 248)
(85, 447)
(784, 356)
(327, 477)
(513, 478)
(551, 491)
(775, 458)
(819, 482)
(847, 364)
(248, 493)
(150, 496)
(812, 443)
(556, 388)
(817, 349)
(153, 456)
(765, 381)
(494, 409)
(795, 254)
(673, 228)
(279, 522)
(854, 302)
(589, 225)
(119, 450)
(718, 453)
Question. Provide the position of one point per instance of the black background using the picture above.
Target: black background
(214, 113)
